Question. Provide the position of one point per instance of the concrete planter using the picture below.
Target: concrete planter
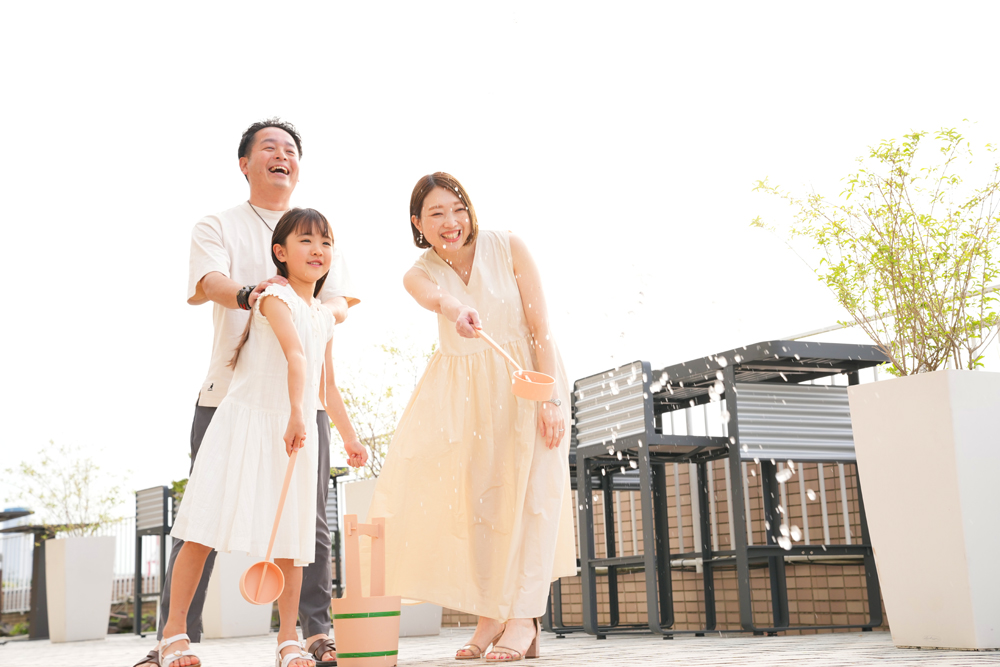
(420, 620)
(79, 572)
(928, 449)
(226, 613)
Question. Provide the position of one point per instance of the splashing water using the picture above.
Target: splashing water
(785, 543)
(614, 388)
(796, 533)
(784, 475)
(810, 494)
(784, 530)
(633, 464)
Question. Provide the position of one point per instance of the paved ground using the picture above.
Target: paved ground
(873, 648)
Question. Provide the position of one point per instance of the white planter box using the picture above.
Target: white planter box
(226, 613)
(420, 620)
(928, 449)
(79, 572)
(358, 498)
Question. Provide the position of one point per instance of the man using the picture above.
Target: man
(229, 265)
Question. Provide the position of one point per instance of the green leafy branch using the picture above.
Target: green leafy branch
(909, 250)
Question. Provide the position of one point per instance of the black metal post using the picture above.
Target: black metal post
(608, 498)
(775, 564)
(585, 523)
(38, 617)
(661, 527)
(708, 575)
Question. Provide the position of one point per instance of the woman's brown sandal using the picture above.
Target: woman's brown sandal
(513, 656)
(474, 651)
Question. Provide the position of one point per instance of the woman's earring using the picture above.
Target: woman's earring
(420, 237)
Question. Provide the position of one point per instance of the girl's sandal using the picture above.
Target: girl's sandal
(474, 651)
(510, 655)
(167, 660)
(285, 660)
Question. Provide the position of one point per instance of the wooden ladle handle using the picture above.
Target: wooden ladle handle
(495, 346)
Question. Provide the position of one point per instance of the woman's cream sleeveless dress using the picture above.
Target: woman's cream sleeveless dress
(478, 511)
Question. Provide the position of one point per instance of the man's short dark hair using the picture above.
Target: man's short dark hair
(246, 141)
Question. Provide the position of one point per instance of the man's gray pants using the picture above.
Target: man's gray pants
(317, 578)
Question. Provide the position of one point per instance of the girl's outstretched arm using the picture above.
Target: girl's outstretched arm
(279, 316)
(337, 412)
(433, 298)
(551, 423)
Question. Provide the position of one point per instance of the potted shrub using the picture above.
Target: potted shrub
(908, 250)
(75, 501)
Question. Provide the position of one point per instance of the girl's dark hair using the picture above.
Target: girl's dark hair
(294, 221)
(439, 179)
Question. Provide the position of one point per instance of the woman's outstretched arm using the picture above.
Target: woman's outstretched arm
(529, 283)
(280, 318)
(433, 298)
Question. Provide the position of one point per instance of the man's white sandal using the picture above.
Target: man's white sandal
(280, 661)
(167, 660)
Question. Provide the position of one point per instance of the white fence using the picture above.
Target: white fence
(16, 550)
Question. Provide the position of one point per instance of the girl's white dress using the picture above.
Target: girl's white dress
(232, 495)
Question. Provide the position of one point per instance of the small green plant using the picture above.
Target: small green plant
(67, 490)
(19, 629)
(908, 249)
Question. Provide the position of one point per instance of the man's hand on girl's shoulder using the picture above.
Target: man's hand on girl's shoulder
(261, 286)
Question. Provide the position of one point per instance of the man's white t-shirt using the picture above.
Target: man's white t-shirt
(237, 244)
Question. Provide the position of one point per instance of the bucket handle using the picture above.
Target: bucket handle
(352, 532)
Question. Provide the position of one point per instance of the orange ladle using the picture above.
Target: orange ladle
(263, 582)
(531, 385)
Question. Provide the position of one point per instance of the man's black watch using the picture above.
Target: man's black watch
(243, 296)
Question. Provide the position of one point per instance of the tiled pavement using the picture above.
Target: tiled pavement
(803, 651)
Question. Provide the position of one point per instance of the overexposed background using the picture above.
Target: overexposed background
(620, 140)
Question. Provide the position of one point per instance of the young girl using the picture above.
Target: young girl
(232, 496)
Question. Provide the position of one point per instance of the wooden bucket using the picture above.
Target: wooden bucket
(367, 629)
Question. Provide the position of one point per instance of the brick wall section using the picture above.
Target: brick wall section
(827, 593)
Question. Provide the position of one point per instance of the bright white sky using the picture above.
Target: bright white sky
(620, 140)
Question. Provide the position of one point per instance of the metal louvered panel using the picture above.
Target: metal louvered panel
(797, 422)
(610, 405)
(149, 508)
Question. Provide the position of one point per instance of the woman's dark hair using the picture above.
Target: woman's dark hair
(294, 221)
(439, 179)
(246, 141)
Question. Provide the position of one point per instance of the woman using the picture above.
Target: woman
(475, 488)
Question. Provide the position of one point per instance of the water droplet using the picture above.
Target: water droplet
(614, 388)
(725, 415)
(756, 460)
(619, 456)
(796, 533)
(791, 465)
(623, 470)
(603, 472)
(753, 473)
(737, 358)
(745, 447)
(783, 475)
(784, 530)
(785, 543)
(767, 525)
(810, 494)
(633, 464)
(722, 360)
